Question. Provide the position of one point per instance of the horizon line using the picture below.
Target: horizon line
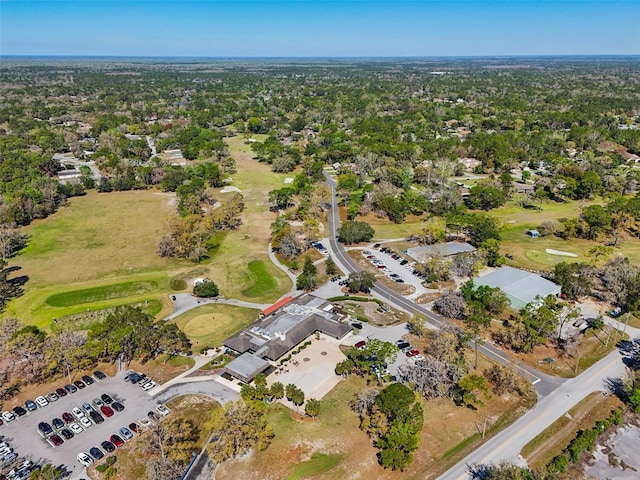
(321, 57)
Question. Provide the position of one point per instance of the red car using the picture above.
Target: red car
(116, 440)
(67, 418)
(106, 411)
(360, 344)
(413, 353)
(56, 440)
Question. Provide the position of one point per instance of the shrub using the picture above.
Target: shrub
(205, 288)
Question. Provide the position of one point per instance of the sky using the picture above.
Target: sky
(210, 28)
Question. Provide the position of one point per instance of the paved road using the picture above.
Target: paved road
(183, 302)
(544, 384)
(201, 386)
(508, 443)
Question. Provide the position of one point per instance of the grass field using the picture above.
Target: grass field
(263, 282)
(99, 251)
(531, 252)
(334, 446)
(209, 325)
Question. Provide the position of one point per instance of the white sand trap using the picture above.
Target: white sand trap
(288, 180)
(561, 253)
(228, 189)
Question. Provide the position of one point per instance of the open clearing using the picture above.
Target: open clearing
(334, 447)
(99, 251)
(210, 325)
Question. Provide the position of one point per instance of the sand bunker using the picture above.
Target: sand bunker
(561, 253)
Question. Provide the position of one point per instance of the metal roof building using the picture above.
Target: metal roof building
(280, 328)
(520, 286)
(443, 249)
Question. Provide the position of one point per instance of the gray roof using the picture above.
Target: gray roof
(277, 333)
(246, 366)
(519, 284)
(443, 249)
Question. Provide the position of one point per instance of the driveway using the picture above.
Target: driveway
(209, 387)
(23, 436)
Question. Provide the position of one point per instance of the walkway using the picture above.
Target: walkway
(183, 302)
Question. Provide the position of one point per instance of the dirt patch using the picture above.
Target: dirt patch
(427, 298)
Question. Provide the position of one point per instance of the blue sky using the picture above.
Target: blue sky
(319, 28)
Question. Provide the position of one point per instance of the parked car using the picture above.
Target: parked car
(57, 423)
(61, 392)
(45, 429)
(360, 344)
(67, 434)
(117, 406)
(87, 408)
(413, 353)
(106, 399)
(153, 416)
(402, 345)
(71, 388)
(116, 440)
(85, 422)
(19, 411)
(144, 422)
(52, 397)
(77, 412)
(357, 325)
(56, 440)
(75, 428)
(107, 446)
(97, 402)
(67, 418)
(88, 380)
(96, 453)
(99, 375)
(84, 459)
(8, 416)
(149, 386)
(162, 409)
(133, 426)
(126, 433)
(96, 417)
(106, 411)
(31, 405)
(79, 384)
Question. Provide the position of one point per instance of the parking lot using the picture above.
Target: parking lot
(394, 269)
(22, 433)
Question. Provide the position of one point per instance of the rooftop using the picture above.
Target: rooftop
(521, 287)
(281, 329)
(443, 249)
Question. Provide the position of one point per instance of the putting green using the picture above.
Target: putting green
(204, 325)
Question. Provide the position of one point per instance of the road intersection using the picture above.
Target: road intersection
(555, 395)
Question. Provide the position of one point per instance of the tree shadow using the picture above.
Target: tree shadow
(630, 351)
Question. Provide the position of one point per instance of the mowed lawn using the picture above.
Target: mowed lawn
(97, 251)
(209, 325)
(531, 252)
(233, 266)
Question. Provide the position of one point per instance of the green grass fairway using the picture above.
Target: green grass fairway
(210, 325)
(99, 249)
(531, 252)
(263, 282)
(317, 464)
(97, 294)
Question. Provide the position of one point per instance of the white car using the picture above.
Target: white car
(77, 413)
(85, 422)
(8, 416)
(149, 385)
(162, 409)
(75, 428)
(144, 422)
(42, 402)
(85, 459)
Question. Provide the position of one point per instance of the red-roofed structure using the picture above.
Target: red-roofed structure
(276, 306)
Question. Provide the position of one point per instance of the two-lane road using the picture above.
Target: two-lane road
(556, 395)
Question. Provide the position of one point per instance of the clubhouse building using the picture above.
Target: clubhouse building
(278, 330)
